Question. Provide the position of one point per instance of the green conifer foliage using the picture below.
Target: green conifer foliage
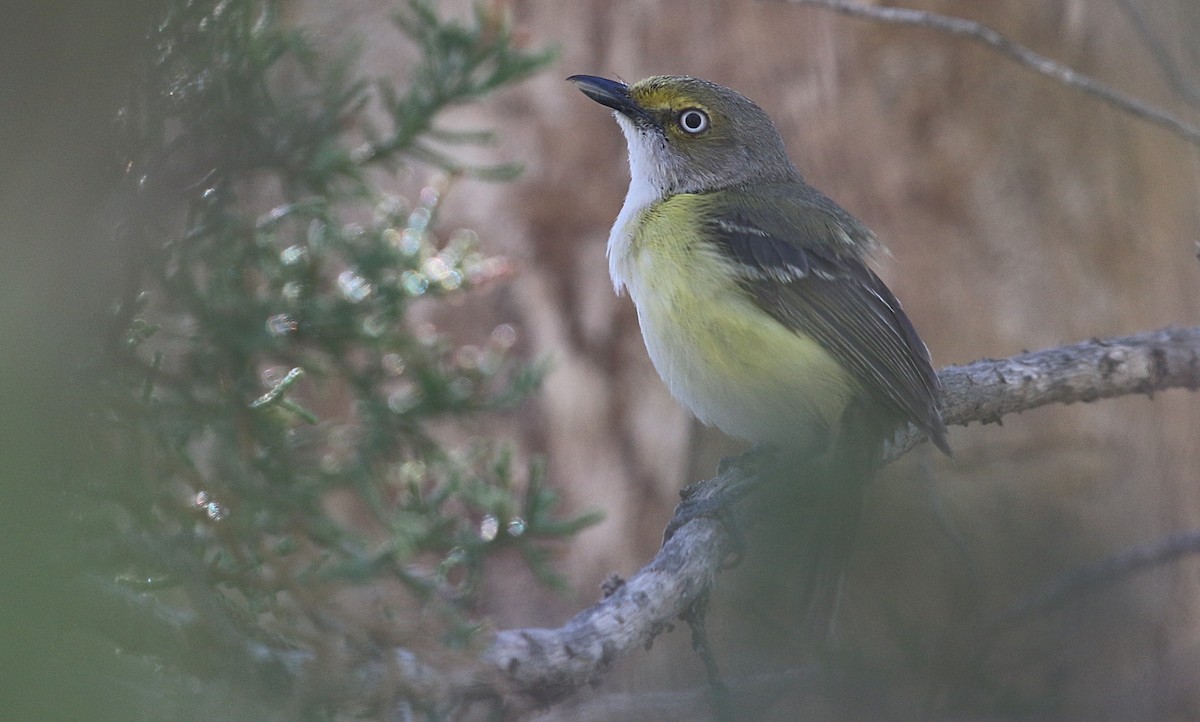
(266, 399)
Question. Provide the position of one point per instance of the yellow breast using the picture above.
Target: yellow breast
(722, 357)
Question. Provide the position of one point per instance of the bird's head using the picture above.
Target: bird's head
(687, 135)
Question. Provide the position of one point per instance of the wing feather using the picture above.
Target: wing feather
(814, 286)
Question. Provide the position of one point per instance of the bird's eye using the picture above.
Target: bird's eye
(693, 121)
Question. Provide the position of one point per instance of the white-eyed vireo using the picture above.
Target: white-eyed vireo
(752, 290)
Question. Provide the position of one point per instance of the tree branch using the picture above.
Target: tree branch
(536, 667)
(980, 33)
(547, 664)
(1107, 570)
(1097, 369)
(544, 665)
(1177, 79)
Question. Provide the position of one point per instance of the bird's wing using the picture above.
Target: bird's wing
(808, 273)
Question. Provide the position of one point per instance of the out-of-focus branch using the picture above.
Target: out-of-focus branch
(1178, 80)
(1106, 571)
(980, 33)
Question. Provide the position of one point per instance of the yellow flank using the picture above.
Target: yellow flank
(729, 362)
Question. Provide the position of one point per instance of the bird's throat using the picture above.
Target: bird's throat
(646, 189)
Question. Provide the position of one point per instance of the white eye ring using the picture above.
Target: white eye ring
(692, 121)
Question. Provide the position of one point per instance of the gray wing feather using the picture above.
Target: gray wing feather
(836, 299)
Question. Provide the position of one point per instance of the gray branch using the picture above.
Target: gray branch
(540, 666)
(547, 664)
(1097, 369)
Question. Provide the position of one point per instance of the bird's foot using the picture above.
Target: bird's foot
(718, 507)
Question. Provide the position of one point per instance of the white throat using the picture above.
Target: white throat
(645, 189)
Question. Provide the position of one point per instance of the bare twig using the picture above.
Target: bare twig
(1084, 579)
(980, 33)
(1166, 62)
(1105, 571)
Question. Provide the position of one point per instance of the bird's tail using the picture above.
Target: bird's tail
(832, 520)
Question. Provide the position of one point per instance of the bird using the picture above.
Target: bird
(754, 296)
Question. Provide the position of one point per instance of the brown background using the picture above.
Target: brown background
(1020, 215)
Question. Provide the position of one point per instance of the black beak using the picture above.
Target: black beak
(614, 94)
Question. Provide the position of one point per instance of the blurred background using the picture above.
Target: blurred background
(1020, 214)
